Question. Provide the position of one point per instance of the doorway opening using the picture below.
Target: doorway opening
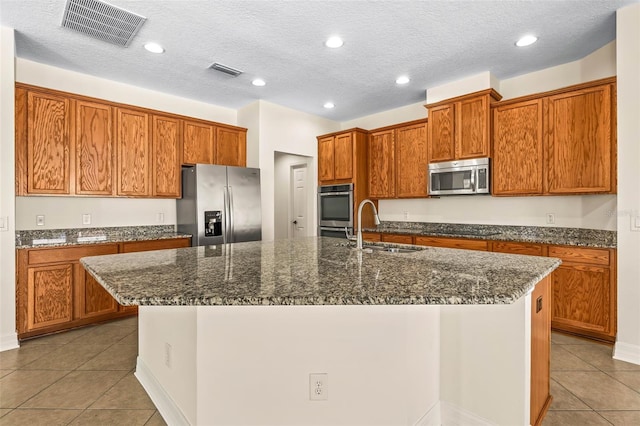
(294, 196)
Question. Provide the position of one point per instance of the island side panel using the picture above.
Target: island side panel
(166, 365)
(486, 362)
(254, 364)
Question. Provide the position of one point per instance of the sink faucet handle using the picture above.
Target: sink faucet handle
(349, 235)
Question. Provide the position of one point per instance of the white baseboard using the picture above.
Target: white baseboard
(9, 341)
(446, 414)
(626, 352)
(168, 409)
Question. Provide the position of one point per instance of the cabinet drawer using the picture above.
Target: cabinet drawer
(459, 243)
(134, 246)
(69, 254)
(590, 256)
(519, 248)
(400, 239)
(371, 236)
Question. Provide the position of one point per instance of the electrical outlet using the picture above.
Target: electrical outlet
(167, 354)
(86, 219)
(551, 218)
(160, 217)
(406, 215)
(318, 386)
(40, 220)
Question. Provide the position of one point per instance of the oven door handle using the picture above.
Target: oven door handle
(329, 194)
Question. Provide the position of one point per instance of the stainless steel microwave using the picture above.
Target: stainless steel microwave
(461, 177)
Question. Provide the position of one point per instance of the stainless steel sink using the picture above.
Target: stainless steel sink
(392, 249)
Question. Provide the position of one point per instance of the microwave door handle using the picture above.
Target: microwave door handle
(473, 179)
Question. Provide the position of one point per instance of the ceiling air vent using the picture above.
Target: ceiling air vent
(103, 21)
(225, 69)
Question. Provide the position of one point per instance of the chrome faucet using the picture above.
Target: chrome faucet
(375, 217)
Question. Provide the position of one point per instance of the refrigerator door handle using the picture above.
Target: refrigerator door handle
(225, 213)
(231, 224)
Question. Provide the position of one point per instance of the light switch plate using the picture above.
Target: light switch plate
(86, 219)
(635, 223)
(40, 220)
(4, 223)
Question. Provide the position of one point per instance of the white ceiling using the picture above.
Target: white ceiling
(433, 42)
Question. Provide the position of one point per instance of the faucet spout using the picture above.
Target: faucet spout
(375, 216)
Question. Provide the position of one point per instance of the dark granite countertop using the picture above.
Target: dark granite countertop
(532, 234)
(75, 236)
(316, 271)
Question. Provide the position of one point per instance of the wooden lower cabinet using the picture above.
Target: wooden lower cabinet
(540, 350)
(530, 249)
(458, 243)
(371, 237)
(395, 238)
(55, 293)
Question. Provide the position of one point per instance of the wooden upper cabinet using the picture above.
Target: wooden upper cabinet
(230, 147)
(133, 153)
(197, 145)
(441, 133)
(326, 159)
(165, 136)
(411, 161)
(95, 151)
(459, 128)
(48, 150)
(382, 150)
(343, 156)
(517, 159)
(579, 143)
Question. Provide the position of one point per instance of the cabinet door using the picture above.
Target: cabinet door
(540, 349)
(343, 156)
(133, 153)
(382, 174)
(49, 295)
(517, 149)
(48, 144)
(394, 238)
(442, 133)
(135, 246)
(578, 141)
(197, 144)
(371, 236)
(472, 127)
(325, 159)
(582, 299)
(165, 135)
(458, 243)
(95, 300)
(230, 147)
(94, 148)
(530, 249)
(411, 161)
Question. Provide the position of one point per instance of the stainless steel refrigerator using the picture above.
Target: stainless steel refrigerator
(220, 204)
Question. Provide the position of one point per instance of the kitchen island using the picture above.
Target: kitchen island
(230, 334)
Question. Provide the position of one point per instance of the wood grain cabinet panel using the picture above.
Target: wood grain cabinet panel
(326, 159)
(230, 147)
(579, 145)
(165, 134)
(136, 246)
(48, 144)
(343, 156)
(49, 295)
(540, 350)
(197, 145)
(134, 151)
(442, 133)
(458, 243)
(382, 183)
(371, 236)
(396, 238)
(411, 161)
(95, 152)
(529, 249)
(460, 127)
(517, 159)
(96, 300)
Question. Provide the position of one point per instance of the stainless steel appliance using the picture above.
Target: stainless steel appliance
(220, 204)
(335, 210)
(462, 177)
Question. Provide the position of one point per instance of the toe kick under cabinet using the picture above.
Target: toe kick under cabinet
(55, 293)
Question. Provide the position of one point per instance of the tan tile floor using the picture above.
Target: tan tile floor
(81, 377)
(85, 377)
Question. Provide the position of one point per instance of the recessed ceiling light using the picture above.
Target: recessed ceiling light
(258, 82)
(154, 47)
(402, 79)
(334, 42)
(526, 40)
(329, 105)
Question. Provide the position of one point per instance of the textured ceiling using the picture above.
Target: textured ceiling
(282, 42)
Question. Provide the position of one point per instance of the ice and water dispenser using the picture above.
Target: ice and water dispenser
(213, 223)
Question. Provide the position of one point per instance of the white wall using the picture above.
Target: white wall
(628, 46)
(282, 194)
(8, 336)
(105, 212)
(284, 130)
(591, 211)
